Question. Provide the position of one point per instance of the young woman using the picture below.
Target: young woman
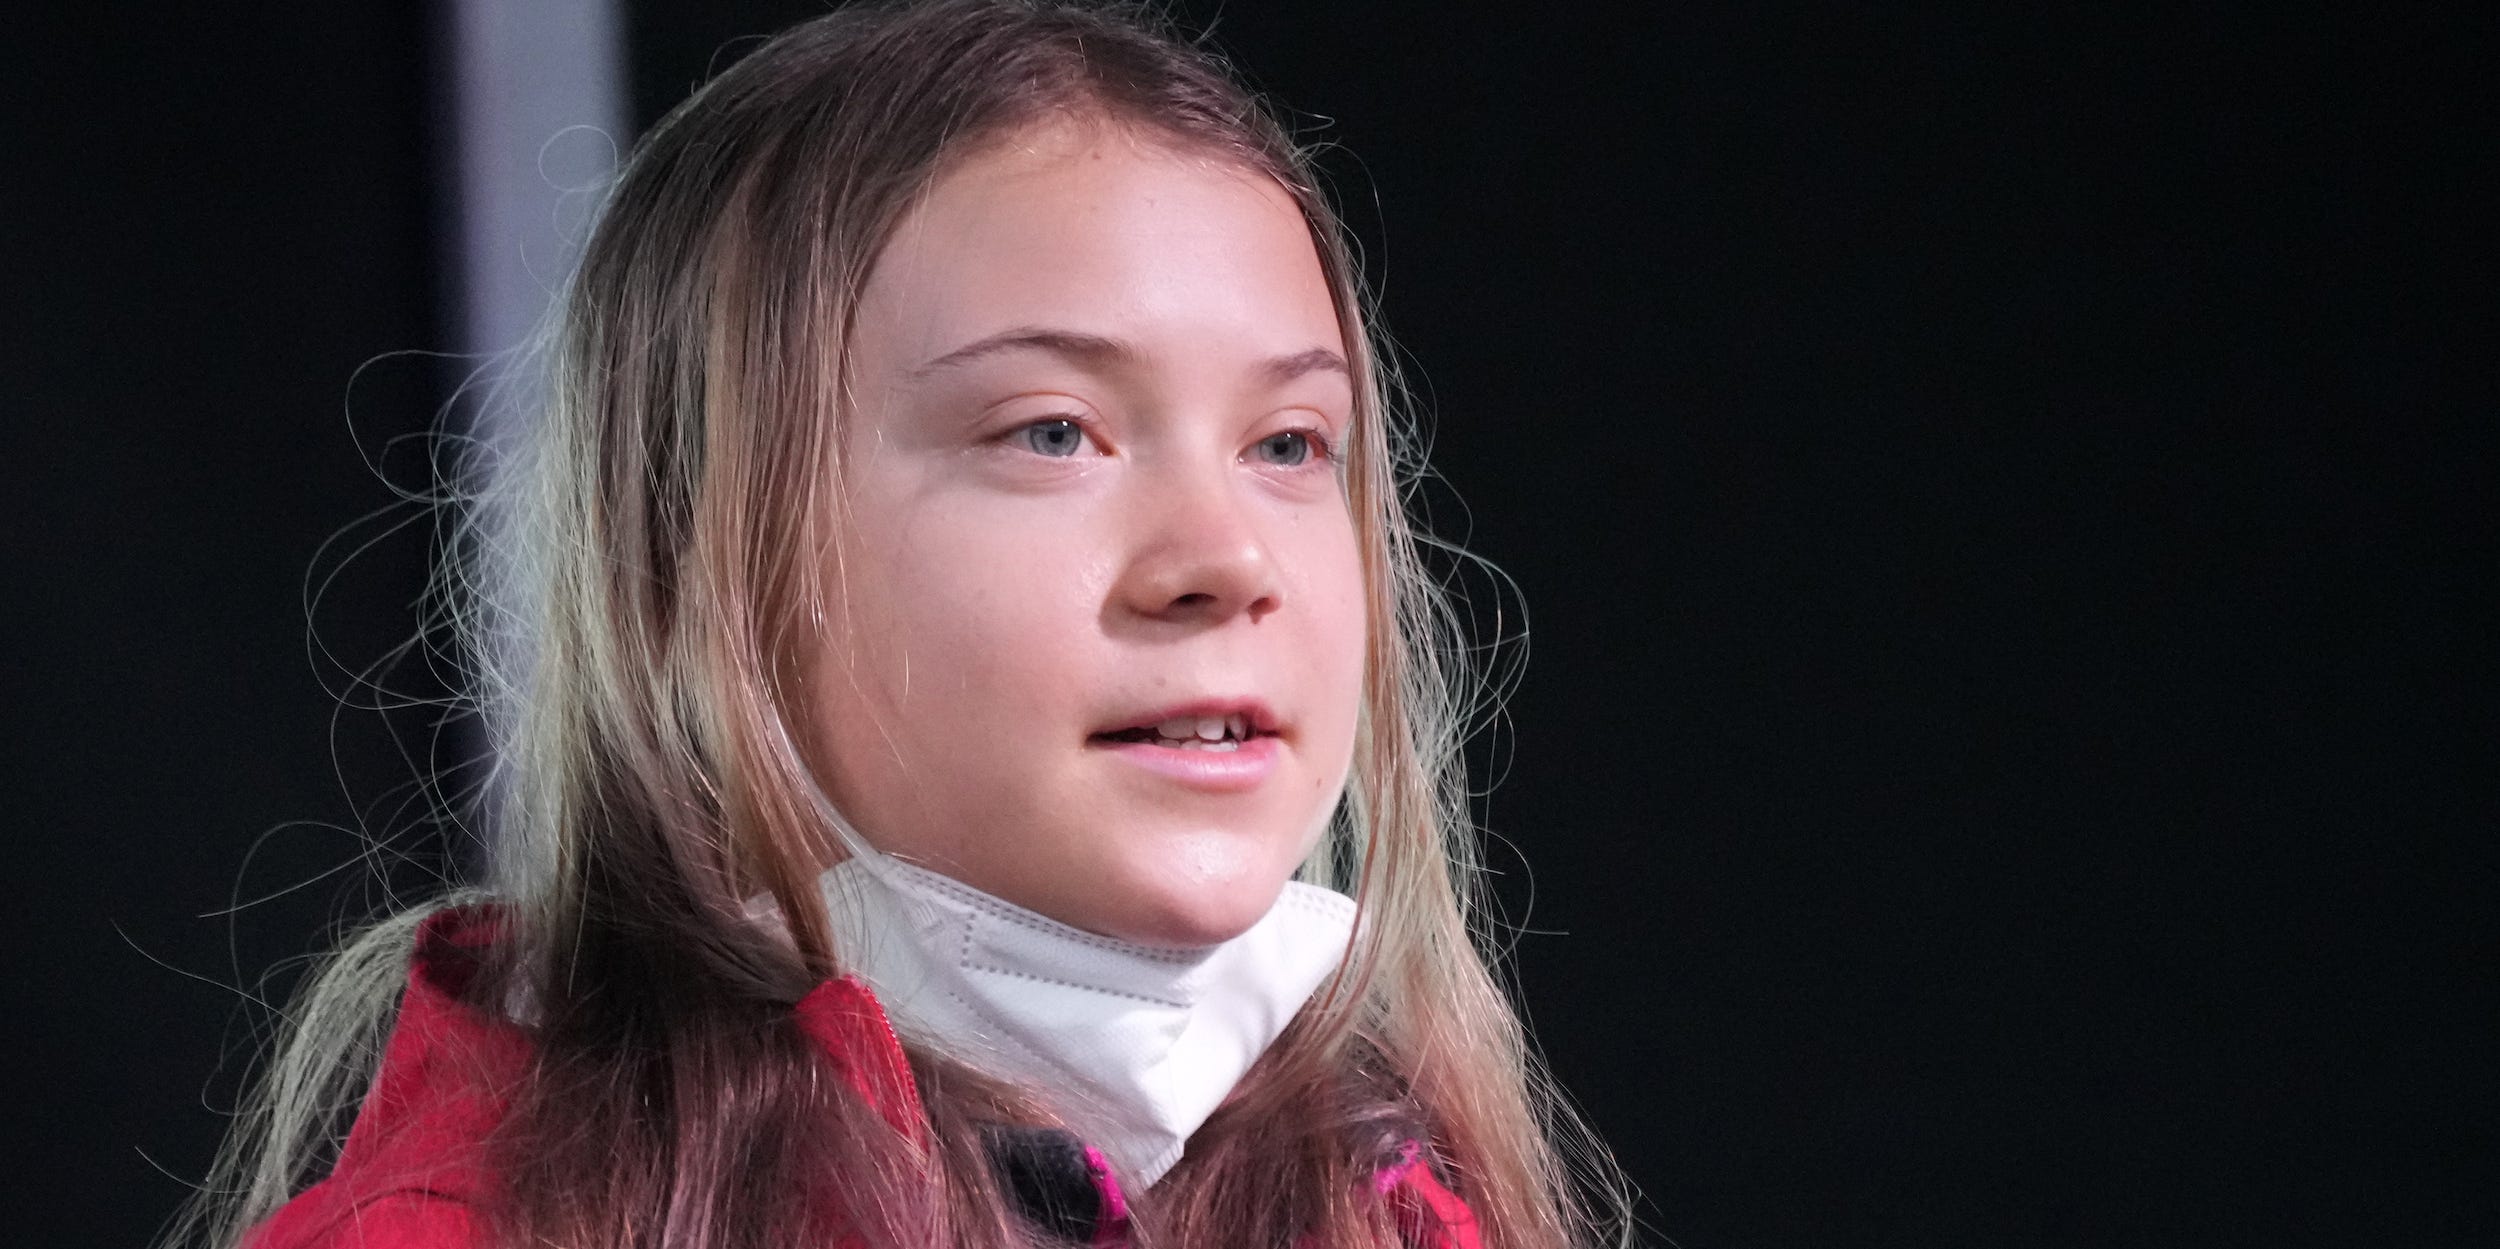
(979, 751)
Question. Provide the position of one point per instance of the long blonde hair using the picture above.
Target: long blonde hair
(643, 570)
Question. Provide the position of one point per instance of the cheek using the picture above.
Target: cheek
(1338, 616)
(977, 620)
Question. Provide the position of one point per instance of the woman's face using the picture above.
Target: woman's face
(1099, 389)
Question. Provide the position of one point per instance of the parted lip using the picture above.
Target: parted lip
(1261, 717)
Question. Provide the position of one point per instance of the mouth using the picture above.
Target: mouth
(1212, 748)
(1214, 727)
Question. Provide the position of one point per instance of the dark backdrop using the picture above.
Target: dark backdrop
(2000, 502)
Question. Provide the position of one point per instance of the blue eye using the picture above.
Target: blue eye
(1058, 437)
(1290, 449)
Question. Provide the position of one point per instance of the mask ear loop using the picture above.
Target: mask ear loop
(842, 836)
(846, 835)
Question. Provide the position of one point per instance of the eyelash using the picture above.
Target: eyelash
(1323, 451)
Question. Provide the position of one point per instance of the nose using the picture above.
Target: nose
(1200, 554)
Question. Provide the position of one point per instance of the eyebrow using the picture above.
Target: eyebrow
(1098, 352)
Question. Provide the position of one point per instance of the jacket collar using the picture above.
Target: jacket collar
(446, 1056)
(448, 1068)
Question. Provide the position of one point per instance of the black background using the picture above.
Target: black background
(2000, 501)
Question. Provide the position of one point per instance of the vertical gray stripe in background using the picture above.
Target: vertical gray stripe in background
(539, 123)
(535, 95)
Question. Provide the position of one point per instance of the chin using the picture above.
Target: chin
(1166, 909)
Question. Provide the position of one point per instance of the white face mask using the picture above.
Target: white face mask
(1136, 1044)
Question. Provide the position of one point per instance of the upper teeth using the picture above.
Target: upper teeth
(1206, 728)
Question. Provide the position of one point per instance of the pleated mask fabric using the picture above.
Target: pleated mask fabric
(1135, 1044)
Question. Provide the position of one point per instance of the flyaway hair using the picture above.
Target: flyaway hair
(648, 565)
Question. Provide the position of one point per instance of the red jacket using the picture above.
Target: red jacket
(412, 1174)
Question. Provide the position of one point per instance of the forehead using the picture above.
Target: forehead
(1096, 228)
